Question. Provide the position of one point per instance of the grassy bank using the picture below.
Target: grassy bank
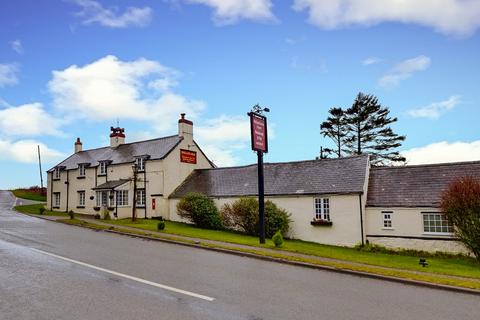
(35, 209)
(454, 265)
(29, 195)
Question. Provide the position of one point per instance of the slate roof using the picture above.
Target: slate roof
(329, 176)
(110, 184)
(156, 148)
(415, 186)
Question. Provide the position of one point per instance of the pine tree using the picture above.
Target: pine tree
(369, 131)
(335, 128)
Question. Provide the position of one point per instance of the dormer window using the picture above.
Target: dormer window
(140, 163)
(81, 170)
(56, 174)
(103, 168)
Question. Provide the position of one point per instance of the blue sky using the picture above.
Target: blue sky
(72, 68)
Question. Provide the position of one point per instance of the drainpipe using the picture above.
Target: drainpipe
(145, 185)
(68, 185)
(361, 217)
(51, 191)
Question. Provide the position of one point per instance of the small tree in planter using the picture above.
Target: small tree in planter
(461, 205)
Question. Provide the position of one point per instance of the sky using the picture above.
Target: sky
(73, 68)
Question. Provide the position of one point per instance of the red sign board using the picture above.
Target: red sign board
(258, 127)
(188, 156)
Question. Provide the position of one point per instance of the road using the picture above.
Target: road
(53, 271)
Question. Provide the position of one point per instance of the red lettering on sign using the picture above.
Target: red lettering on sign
(188, 156)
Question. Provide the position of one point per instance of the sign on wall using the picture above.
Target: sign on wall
(188, 156)
(258, 128)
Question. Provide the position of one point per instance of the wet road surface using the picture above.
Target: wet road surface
(54, 271)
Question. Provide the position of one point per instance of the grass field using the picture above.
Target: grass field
(454, 266)
(29, 195)
(35, 209)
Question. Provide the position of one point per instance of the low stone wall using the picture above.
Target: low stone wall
(429, 245)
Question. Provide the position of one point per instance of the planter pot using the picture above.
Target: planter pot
(96, 208)
(321, 223)
(110, 208)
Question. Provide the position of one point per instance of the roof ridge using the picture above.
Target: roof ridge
(123, 144)
(442, 164)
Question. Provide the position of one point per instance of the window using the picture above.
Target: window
(122, 197)
(141, 198)
(56, 199)
(434, 222)
(140, 162)
(81, 198)
(56, 174)
(387, 219)
(103, 168)
(81, 170)
(322, 209)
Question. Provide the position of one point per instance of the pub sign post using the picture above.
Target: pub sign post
(258, 131)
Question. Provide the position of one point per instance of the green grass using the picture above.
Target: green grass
(35, 209)
(454, 266)
(26, 194)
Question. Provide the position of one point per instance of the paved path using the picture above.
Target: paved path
(54, 271)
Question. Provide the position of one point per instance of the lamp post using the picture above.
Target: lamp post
(134, 204)
(258, 127)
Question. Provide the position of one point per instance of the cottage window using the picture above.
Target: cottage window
(56, 174)
(103, 168)
(81, 170)
(81, 198)
(322, 209)
(122, 197)
(56, 199)
(387, 219)
(435, 222)
(141, 198)
(140, 162)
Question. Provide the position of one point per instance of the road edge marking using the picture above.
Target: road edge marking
(126, 276)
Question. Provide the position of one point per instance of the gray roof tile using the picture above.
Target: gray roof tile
(124, 153)
(329, 176)
(415, 186)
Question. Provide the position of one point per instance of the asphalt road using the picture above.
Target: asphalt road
(54, 271)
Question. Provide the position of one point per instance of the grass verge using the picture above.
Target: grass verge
(29, 195)
(35, 209)
(403, 274)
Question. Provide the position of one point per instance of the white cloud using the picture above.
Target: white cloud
(443, 152)
(17, 46)
(435, 109)
(8, 74)
(452, 17)
(230, 11)
(28, 120)
(94, 12)
(109, 88)
(371, 60)
(404, 70)
(25, 151)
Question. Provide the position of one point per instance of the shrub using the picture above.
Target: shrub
(41, 210)
(97, 216)
(106, 215)
(242, 215)
(161, 225)
(200, 210)
(71, 214)
(461, 205)
(278, 239)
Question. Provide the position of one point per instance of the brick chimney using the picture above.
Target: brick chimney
(78, 145)
(185, 128)
(117, 136)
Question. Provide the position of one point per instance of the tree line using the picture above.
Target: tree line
(364, 128)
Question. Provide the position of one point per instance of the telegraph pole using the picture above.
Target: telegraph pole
(134, 204)
(40, 167)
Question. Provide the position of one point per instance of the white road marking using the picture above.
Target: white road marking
(154, 284)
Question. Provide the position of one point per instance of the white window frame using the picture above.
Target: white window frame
(141, 198)
(56, 174)
(56, 199)
(440, 224)
(103, 168)
(322, 209)
(81, 170)
(140, 162)
(387, 220)
(81, 198)
(122, 198)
